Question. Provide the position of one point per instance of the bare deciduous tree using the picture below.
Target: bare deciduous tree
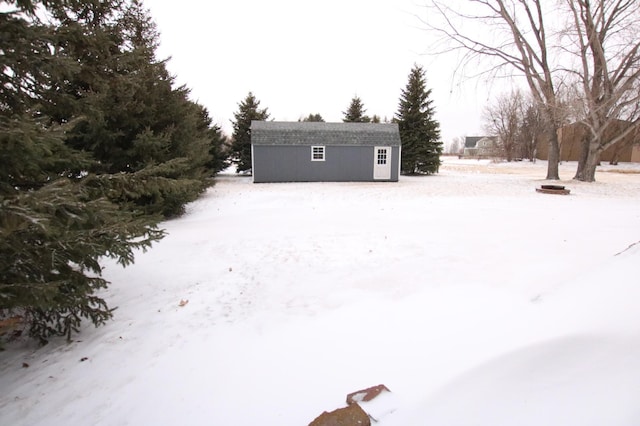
(456, 146)
(532, 129)
(590, 44)
(515, 41)
(607, 46)
(504, 121)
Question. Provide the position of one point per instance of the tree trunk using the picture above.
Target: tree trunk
(616, 154)
(554, 156)
(582, 160)
(589, 158)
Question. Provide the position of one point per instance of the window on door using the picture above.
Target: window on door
(382, 156)
(317, 153)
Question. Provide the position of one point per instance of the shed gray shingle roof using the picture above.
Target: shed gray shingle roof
(314, 133)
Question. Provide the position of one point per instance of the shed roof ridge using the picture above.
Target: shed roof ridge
(327, 126)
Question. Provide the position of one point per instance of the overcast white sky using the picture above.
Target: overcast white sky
(300, 57)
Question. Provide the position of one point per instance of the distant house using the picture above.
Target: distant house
(324, 152)
(480, 146)
(570, 139)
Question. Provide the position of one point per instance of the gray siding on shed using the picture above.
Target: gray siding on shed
(290, 163)
(281, 151)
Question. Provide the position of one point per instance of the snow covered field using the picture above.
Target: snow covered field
(476, 300)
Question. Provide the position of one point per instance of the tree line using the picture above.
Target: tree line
(97, 146)
(419, 130)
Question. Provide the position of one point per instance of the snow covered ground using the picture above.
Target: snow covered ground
(476, 300)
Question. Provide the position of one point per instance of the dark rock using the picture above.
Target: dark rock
(366, 394)
(352, 415)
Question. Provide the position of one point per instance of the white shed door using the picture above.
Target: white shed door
(382, 162)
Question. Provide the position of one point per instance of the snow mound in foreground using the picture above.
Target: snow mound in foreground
(557, 382)
(590, 378)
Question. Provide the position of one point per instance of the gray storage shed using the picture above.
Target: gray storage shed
(324, 152)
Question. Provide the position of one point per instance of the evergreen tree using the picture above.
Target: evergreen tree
(95, 145)
(248, 110)
(136, 123)
(419, 131)
(355, 112)
(316, 118)
(56, 220)
(218, 150)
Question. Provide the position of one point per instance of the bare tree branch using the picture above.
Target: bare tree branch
(523, 46)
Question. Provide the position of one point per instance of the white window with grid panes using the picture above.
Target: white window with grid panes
(317, 153)
(382, 156)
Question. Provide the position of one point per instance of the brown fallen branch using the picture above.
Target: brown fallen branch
(630, 246)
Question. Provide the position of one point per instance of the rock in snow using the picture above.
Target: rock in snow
(351, 415)
(371, 403)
